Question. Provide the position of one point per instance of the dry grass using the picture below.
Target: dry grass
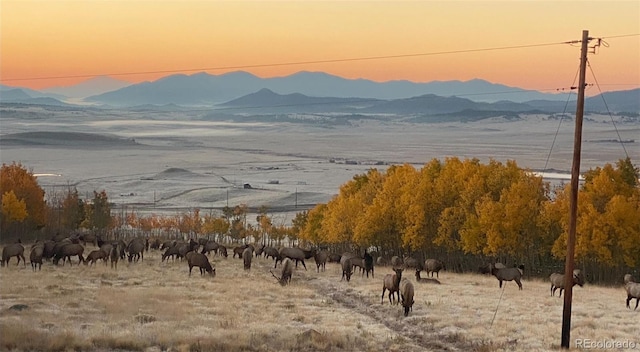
(155, 306)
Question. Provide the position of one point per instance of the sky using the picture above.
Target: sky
(517, 43)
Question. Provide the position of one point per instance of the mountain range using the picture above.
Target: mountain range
(207, 89)
(316, 91)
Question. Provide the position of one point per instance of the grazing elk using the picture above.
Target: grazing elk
(406, 293)
(287, 272)
(201, 261)
(136, 250)
(173, 252)
(222, 251)
(94, 255)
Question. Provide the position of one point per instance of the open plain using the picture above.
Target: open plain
(167, 162)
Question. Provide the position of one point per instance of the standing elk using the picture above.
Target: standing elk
(292, 253)
(13, 250)
(321, 260)
(368, 263)
(509, 274)
(434, 266)
(633, 290)
(391, 282)
(247, 254)
(557, 281)
(67, 251)
(35, 256)
(115, 255)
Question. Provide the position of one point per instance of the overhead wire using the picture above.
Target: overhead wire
(600, 41)
(555, 136)
(293, 63)
(608, 111)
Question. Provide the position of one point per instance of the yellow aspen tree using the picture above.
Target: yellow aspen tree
(15, 177)
(343, 210)
(459, 186)
(623, 219)
(14, 210)
(511, 224)
(600, 231)
(379, 221)
(424, 204)
(312, 230)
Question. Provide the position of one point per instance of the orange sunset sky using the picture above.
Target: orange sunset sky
(48, 39)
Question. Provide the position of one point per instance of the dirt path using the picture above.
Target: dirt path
(417, 330)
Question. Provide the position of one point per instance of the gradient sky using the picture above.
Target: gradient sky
(91, 38)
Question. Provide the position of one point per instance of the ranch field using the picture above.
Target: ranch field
(155, 306)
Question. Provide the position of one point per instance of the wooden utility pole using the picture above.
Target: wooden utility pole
(573, 208)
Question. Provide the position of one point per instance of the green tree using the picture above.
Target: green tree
(98, 212)
(72, 211)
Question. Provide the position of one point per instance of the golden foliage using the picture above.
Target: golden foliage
(23, 183)
(13, 209)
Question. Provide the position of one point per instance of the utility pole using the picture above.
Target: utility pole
(573, 207)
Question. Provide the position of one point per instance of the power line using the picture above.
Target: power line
(291, 63)
(608, 111)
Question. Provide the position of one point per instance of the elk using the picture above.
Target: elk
(391, 282)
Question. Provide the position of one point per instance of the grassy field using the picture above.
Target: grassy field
(156, 306)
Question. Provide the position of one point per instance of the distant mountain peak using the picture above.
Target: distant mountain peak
(91, 86)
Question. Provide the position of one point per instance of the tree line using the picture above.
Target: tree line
(471, 213)
(463, 211)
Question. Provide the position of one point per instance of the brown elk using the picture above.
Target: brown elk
(13, 250)
(35, 256)
(391, 282)
(287, 272)
(67, 251)
(247, 254)
(94, 255)
(201, 261)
